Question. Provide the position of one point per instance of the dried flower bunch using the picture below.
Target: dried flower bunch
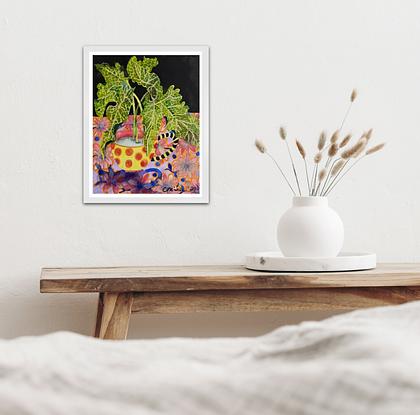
(332, 161)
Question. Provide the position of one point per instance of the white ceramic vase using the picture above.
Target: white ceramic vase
(310, 229)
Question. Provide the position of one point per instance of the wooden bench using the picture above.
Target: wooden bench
(181, 289)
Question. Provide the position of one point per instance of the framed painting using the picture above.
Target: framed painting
(146, 124)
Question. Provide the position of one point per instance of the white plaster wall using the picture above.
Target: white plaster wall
(272, 62)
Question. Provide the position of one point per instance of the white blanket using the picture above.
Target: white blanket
(365, 362)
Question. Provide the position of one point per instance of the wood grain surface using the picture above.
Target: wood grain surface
(113, 316)
(217, 277)
(272, 300)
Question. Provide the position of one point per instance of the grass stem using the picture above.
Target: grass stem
(281, 171)
(293, 166)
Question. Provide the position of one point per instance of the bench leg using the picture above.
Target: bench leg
(113, 316)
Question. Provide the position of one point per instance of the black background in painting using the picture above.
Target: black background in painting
(182, 71)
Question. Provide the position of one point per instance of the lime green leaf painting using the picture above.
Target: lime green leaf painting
(146, 136)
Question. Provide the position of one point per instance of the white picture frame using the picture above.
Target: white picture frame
(89, 196)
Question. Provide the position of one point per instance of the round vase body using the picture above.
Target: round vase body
(310, 229)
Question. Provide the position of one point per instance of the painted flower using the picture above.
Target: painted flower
(143, 182)
(187, 167)
(184, 148)
(161, 146)
(102, 160)
(191, 185)
(100, 125)
(194, 187)
(168, 183)
(110, 181)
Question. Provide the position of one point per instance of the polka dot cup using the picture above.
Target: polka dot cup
(130, 158)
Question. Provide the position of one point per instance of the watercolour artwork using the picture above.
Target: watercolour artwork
(146, 125)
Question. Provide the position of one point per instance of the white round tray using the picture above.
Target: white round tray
(345, 261)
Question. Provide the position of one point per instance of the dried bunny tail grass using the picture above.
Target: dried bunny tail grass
(368, 134)
(322, 140)
(334, 137)
(333, 150)
(361, 144)
(353, 96)
(283, 136)
(360, 149)
(375, 149)
(339, 176)
(300, 149)
(322, 174)
(260, 146)
(262, 149)
(318, 158)
(353, 150)
(345, 141)
(303, 154)
(337, 167)
(282, 133)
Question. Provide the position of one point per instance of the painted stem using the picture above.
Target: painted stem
(135, 129)
(138, 102)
